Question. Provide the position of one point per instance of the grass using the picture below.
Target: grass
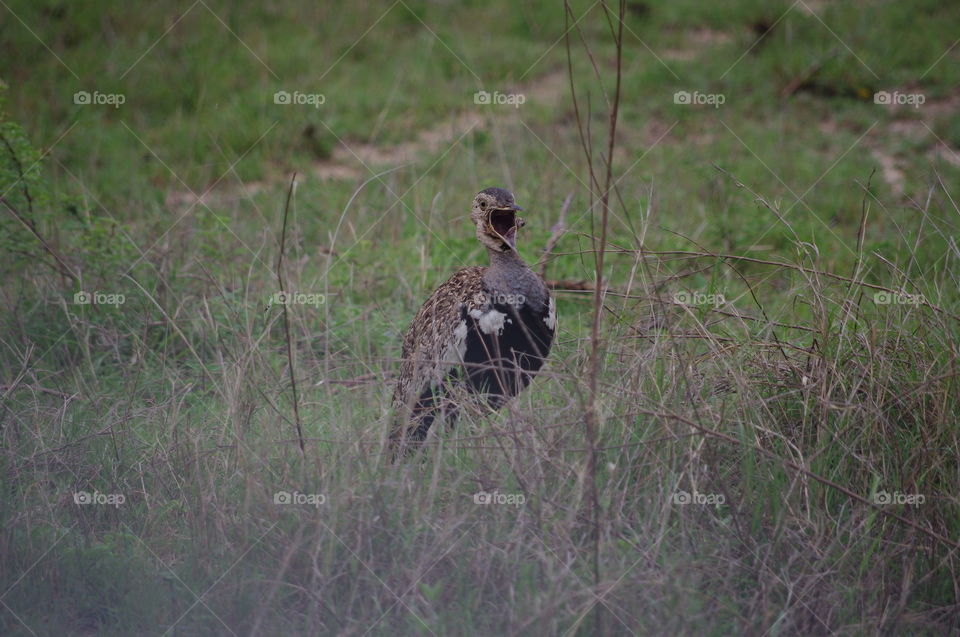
(782, 393)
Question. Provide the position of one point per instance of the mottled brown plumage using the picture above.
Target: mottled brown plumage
(486, 330)
(424, 346)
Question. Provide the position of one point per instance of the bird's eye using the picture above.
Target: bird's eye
(483, 205)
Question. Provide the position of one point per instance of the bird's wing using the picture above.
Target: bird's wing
(436, 340)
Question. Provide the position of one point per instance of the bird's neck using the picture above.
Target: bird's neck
(506, 261)
(509, 275)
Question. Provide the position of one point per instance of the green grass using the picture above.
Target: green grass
(180, 399)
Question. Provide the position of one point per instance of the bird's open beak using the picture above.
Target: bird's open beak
(504, 222)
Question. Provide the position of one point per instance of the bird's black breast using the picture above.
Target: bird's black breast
(505, 347)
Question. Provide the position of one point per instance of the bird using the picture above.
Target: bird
(480, 337)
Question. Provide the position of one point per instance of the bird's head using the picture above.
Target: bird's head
(495, 214)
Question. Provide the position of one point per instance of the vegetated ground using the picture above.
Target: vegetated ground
(778, 395)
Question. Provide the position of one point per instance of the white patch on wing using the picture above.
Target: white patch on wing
(452, 355)
(489, 322)
(458, 346)
(461, 332)
(551, 319)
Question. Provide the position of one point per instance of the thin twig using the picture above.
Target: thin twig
(286, 317)
(613, 108)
